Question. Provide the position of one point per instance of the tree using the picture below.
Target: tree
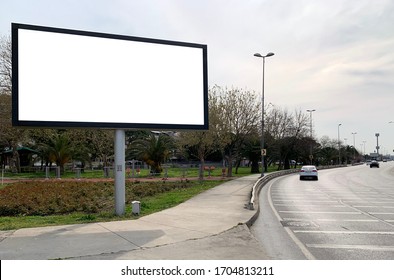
(285, 133)
(60, 150)
(39, 140)
(238, 114)
(154, 150)
(201, 144)
(328, 151)
(89, 144)
(5, 65)
(10, 137)
(252, 151)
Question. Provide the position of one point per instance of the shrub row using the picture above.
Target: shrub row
(64, 197)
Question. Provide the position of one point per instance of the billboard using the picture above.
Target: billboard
(73, 78)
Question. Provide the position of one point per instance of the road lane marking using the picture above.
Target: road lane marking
(321, 212)
(300, 245)
(296, 200)
(373, 202)
(371, 215)
(270, 202)
(345, 232)
(311, 205)
(303, 204)
(359, 247)
(373, 206)
(308, 255)
(332, 220)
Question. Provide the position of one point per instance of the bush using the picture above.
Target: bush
(64, 197)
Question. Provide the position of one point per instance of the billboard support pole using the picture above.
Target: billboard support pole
(120, 192)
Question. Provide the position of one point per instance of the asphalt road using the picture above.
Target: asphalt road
(347, 214)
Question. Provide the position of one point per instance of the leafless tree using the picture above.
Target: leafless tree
(239, 115)
(9, 137)
(5, 66)
(285, 133)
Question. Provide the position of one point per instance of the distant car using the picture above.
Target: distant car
(309, 172)
(374, 163)
(368, 162)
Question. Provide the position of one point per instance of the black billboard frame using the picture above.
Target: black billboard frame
(106, 125)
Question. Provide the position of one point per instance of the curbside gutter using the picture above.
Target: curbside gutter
(262, 181)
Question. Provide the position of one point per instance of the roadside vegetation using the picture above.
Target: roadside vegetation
(41, 203)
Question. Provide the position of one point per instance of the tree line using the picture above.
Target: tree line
(234, 135)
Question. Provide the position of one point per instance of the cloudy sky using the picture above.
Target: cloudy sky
(336, 56)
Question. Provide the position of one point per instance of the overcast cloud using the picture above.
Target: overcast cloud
(333, 56)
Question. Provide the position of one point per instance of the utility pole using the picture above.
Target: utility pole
(310, 118)
(377, 144)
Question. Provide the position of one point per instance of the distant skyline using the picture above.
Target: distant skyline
(332, 56)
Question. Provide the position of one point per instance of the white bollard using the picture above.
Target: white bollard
(135, 207)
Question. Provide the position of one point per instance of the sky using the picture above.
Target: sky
(335, 57)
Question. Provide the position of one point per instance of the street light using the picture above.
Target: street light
(346, 150)
(339, 146)
(310, 118)
(377, 144)
(354, 146)
(262, 111)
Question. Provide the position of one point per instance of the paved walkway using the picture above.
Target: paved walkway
(209, 226)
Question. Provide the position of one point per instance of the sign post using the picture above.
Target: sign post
(120, 189)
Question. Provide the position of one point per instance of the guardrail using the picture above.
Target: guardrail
(264, 180)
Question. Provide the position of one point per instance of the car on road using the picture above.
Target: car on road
(309, 172)
(374, 163)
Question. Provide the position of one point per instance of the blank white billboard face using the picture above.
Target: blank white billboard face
(83, 79)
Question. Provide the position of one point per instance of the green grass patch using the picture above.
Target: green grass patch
(171, 172)
(170, 199)
(95, 201)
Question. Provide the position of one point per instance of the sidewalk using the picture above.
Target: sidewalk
(208, 226)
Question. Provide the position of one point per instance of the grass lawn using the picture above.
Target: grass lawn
(149, 205)
(177, 172)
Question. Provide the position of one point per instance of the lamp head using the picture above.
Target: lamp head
(264, 56)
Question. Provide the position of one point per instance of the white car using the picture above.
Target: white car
(309, 172)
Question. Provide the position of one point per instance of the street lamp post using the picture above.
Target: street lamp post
(262, 110)
(354, 146)
(310, 119)
(377, 144)
(346, 150)
(390, 122)
(339, 146)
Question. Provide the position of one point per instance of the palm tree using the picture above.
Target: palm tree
(59, 150)
(153, 149)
